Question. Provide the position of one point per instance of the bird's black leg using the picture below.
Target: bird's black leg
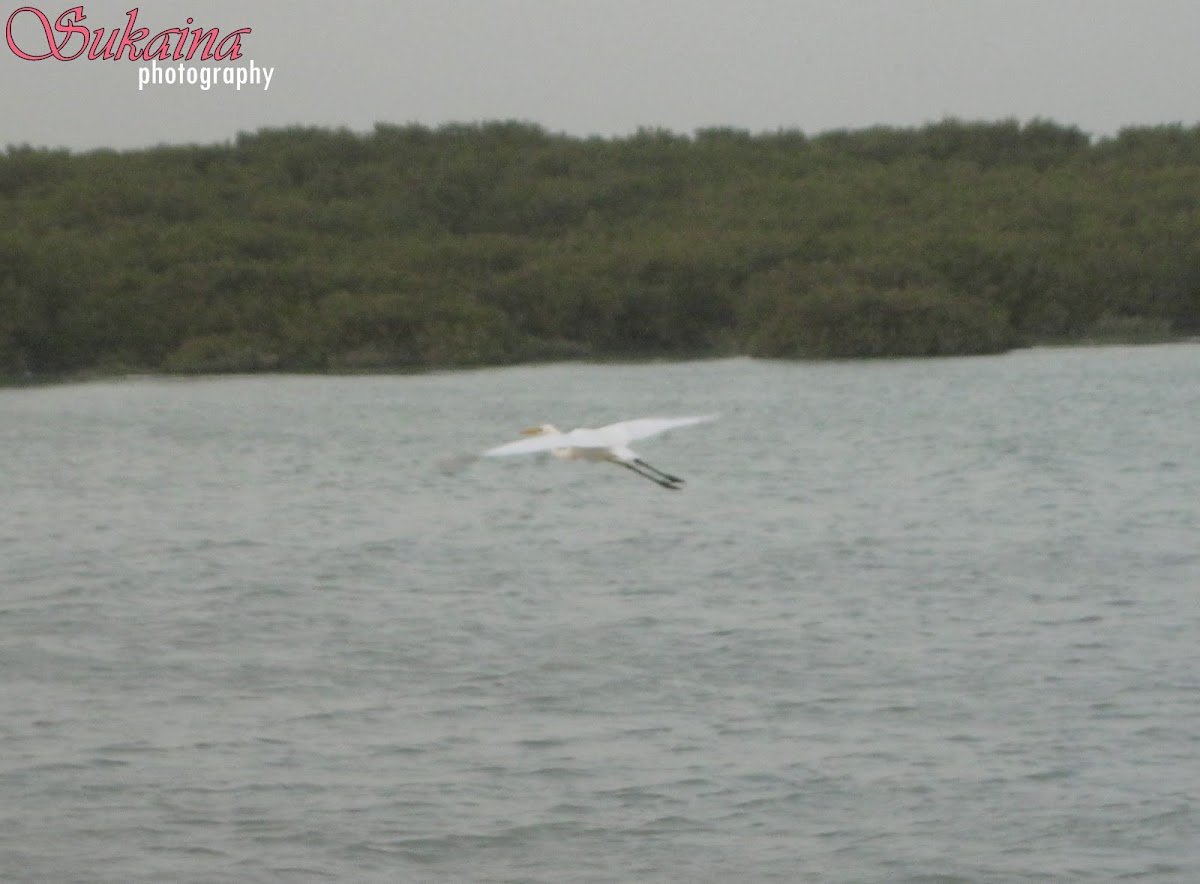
(667, 476)
(665, 483)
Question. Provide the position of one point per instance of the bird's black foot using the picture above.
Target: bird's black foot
(648, 472)
(659, 473)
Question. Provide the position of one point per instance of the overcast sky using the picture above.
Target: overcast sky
(608, 67)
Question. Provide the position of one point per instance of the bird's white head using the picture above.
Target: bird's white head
(540, 430)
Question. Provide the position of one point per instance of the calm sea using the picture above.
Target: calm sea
(909, 621)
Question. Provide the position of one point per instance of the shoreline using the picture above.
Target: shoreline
(92, 375)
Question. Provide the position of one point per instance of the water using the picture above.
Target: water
(909, 621)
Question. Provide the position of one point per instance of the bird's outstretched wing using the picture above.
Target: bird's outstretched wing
(602, 437)
(581, 438)
(631, 431)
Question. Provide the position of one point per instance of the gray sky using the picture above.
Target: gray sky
(609, 66)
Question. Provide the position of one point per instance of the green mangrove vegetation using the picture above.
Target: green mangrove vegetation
(412, 247)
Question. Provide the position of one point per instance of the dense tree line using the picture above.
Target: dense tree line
(311, 249)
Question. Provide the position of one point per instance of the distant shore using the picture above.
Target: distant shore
(97, 375)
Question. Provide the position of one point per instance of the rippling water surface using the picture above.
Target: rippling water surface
(909, 621)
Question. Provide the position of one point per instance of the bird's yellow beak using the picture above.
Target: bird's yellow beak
(532, 431)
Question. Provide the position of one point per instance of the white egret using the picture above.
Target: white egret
(610, 443)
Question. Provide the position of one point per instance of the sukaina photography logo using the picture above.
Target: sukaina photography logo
(169, 56)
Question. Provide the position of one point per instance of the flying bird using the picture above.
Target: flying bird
(610, 443)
